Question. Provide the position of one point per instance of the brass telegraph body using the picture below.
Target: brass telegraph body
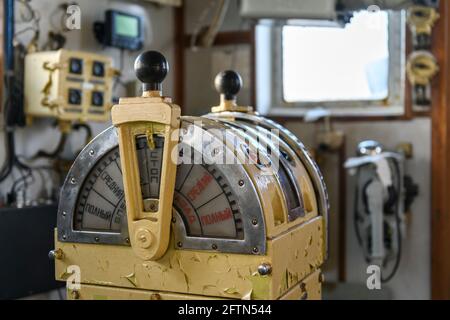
(149, 211)
(68, 85)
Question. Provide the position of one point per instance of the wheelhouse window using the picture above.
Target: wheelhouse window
(350, 63)
(351, 69)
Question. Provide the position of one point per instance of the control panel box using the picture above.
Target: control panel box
(68, 85)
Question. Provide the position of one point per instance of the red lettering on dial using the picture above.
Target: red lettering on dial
(185, 208)
(201, 185)
(216, 217)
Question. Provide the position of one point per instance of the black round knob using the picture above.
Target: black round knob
(228, 83)
(151, 68)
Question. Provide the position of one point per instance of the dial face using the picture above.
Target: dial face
(206, 203)
(101, 203)
(203, 197)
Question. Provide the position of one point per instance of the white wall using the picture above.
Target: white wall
(158, 29)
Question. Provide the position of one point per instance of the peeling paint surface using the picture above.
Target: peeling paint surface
(293, 256)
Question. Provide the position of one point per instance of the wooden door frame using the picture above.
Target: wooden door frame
(440, 160)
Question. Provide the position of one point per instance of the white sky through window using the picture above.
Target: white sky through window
(337, 64)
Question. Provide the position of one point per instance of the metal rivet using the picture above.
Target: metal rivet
(255, 250)
(97, 239)
(64, 213)
(64, 237)
(254, 222)
(180, 244)
(91, 152)
(127, 240)
(73, 180)
(174, 220)
(303, 286)
(241, 183)
(265, 269)
(214, 246)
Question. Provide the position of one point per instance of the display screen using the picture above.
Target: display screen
(126, 26)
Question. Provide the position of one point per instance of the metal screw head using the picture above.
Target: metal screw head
(91, 152)
(73, 180)
(265, 269)
(56, 254)
(97, 239)
(52, 255)
(64, 213)
(255, 250)
(180, 244)
(241, 183)
(254, 222)
(174, 220)
(143, 238)
(214, 246)
(127, 240)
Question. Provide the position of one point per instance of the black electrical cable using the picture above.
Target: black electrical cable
(22, 179)
(78, 126)
(398, 222)
(55, 153)
(9, 139)
(9, 160)
(356, 212)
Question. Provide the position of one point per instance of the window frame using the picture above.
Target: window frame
(270, 100)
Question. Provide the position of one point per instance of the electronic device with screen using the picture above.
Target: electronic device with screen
(120, 30)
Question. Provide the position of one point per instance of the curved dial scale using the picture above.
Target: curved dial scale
(206, 203)
(215, 206)
(202, 197)
(101, 203)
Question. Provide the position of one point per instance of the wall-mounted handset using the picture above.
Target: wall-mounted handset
(379, 204)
